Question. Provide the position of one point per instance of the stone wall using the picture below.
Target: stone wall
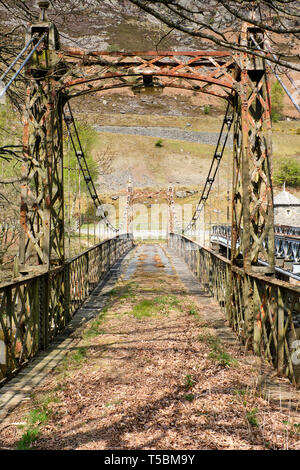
(287, 215)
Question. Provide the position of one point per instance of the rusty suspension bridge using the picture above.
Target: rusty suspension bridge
(34, 308)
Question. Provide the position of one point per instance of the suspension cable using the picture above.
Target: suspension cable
(2, 93)
(171, 204)
(217, 157)
(84, 169)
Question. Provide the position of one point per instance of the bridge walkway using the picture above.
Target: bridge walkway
(155, 368)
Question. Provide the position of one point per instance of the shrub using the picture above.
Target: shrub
(88, 137)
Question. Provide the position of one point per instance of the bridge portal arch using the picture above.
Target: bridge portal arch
(56, 75)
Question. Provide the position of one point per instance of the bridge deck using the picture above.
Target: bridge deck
(157, 368)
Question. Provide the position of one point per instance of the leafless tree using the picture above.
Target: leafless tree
(219, 22)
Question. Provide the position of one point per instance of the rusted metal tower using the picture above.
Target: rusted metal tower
(252, 204)
(42, 195)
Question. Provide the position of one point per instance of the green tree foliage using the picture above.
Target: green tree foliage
(277, 95)
(287, 171)
(88, 138)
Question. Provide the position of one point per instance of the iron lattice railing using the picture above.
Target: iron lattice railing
(264, 312)
(35, 309)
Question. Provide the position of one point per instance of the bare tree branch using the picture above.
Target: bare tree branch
(218, 18)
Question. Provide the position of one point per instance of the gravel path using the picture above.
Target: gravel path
(209, 138)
